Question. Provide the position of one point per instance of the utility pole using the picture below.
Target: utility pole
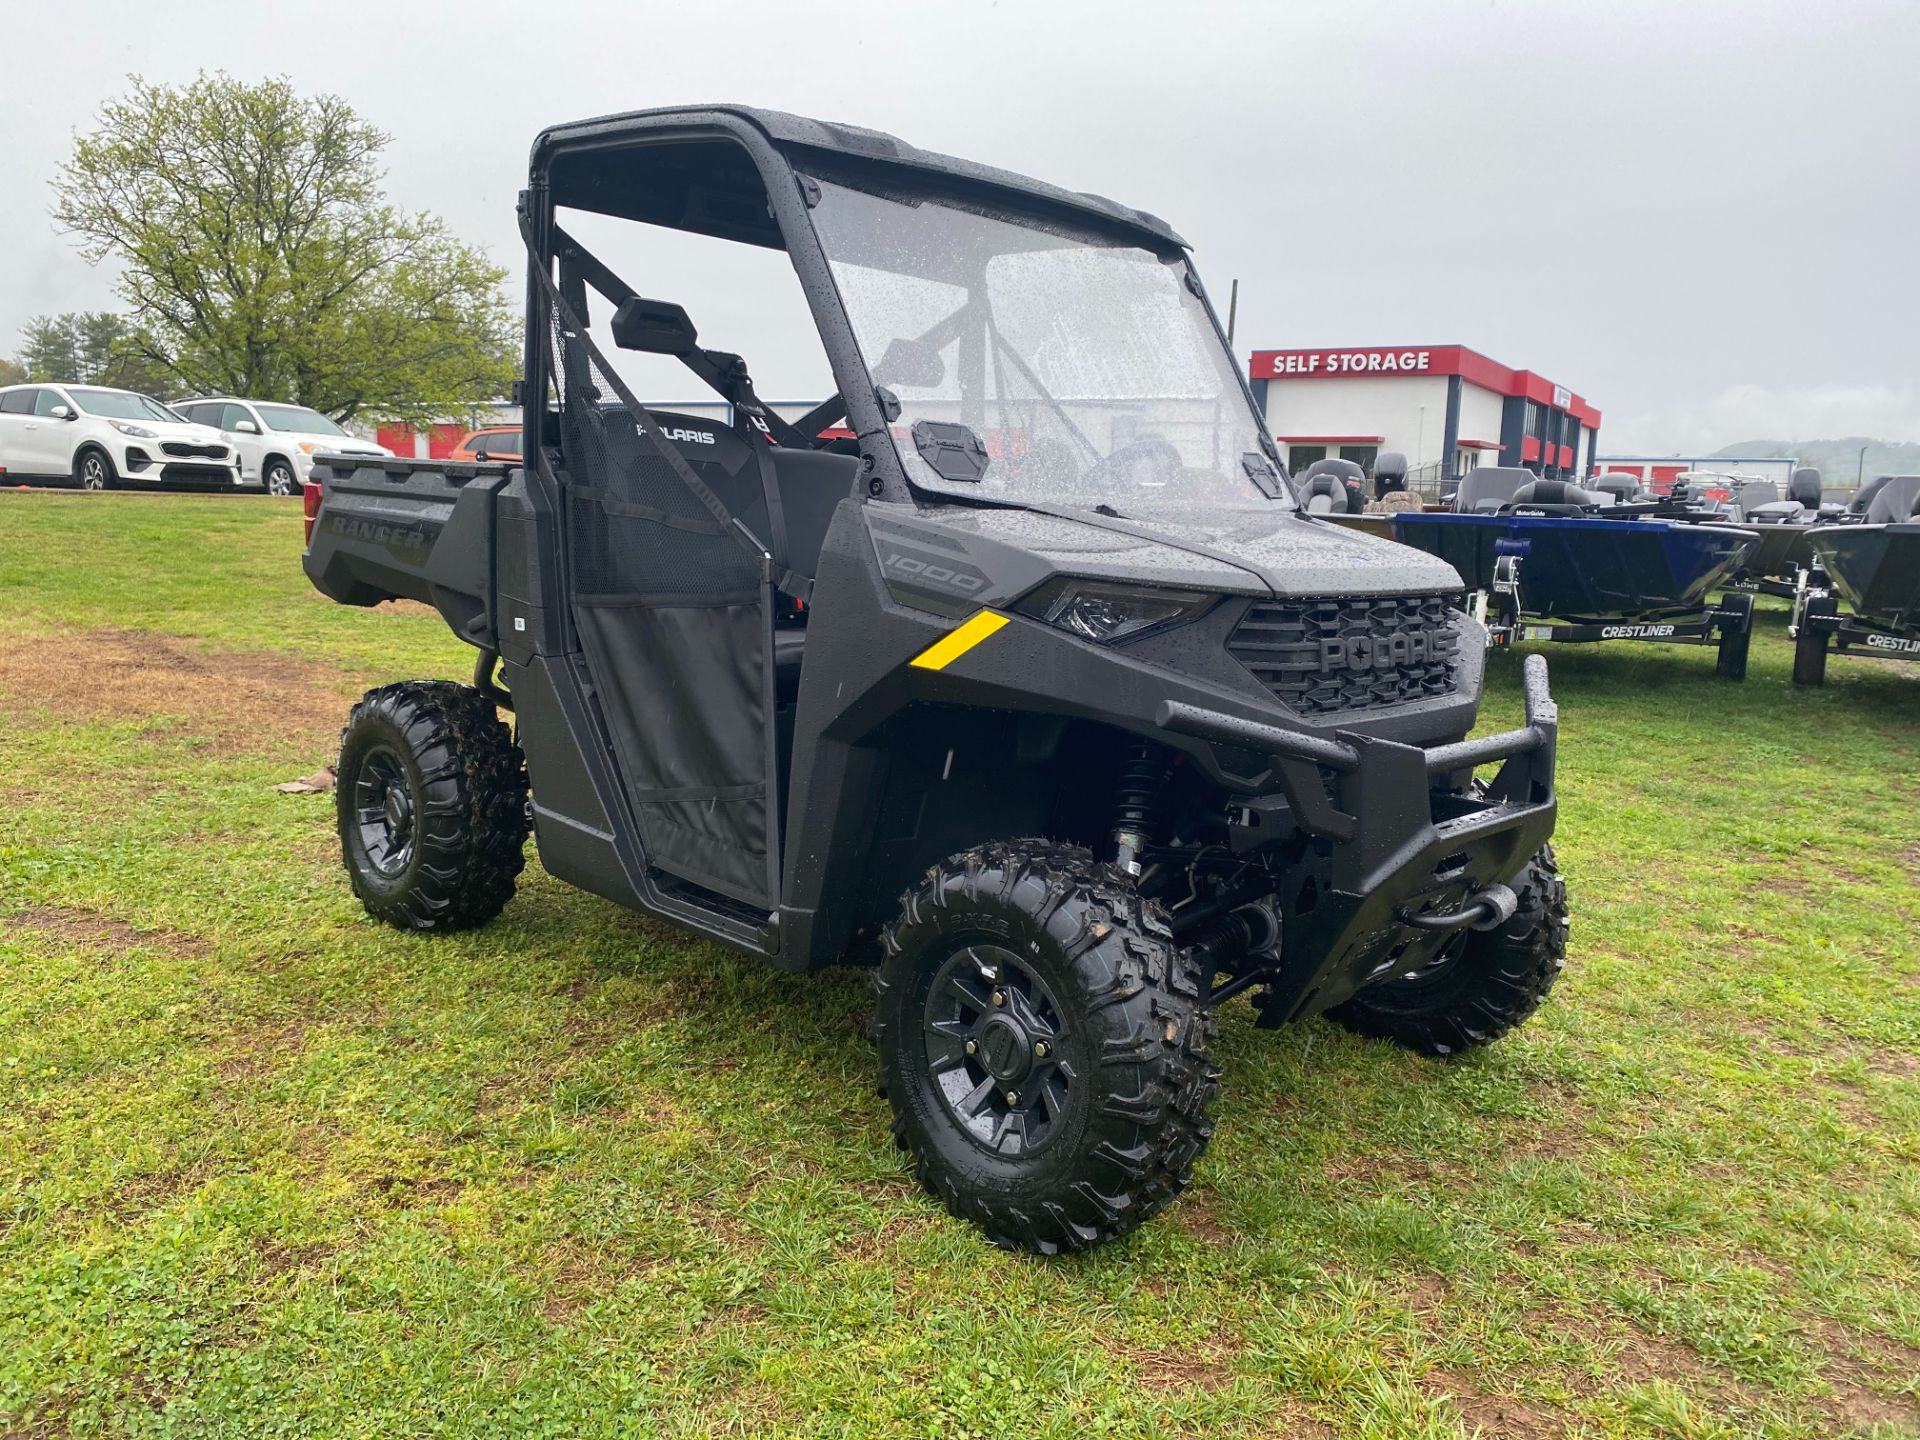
(1860, 470)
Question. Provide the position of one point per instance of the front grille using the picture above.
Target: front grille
(185, 451)
(1322, 657)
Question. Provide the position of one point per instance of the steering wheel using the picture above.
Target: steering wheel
(1150, 460)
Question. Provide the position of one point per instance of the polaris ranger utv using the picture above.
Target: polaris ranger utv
(821, 698)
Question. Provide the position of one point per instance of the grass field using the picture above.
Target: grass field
(268, 1168)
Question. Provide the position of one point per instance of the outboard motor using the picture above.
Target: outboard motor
(1618, 488)
(1389, 473)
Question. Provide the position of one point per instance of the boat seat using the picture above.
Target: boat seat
(1756, 493)
(1553, 495)
(1891, 498)
(1485, 489)
(1324, 495)
(1778, 512)
(1805, 487)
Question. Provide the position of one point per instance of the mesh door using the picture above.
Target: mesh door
(673, 603)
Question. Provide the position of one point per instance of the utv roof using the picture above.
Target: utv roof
(799, 138)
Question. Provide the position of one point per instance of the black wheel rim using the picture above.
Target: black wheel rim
(383, 809)
(1442, 960)
(93, 473)
(997, 1050)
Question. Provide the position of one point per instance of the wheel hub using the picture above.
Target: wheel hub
(997, 1049)
(384, 812)
(1005, 1048)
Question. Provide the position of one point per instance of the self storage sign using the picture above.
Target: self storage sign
(1271, 364)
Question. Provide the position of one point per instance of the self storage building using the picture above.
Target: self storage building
(1447, 408)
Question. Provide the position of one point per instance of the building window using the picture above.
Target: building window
(1361, 455)
(1536, 420)
(1299, 457)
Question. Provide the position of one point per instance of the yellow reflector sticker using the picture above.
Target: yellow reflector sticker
(956, 642)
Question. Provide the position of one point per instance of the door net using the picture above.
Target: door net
(672, 599)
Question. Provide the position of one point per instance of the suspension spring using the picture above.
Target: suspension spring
(1143, 783)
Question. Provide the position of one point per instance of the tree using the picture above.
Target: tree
(260, 257)
(91, 348)
(10, 373)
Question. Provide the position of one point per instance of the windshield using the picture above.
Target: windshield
(1035, 365)
(121, 405)
(298, 419)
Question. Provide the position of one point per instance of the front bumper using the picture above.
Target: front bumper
(1405, 838)
(145, 462)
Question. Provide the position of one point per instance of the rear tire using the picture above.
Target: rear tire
(1486, 983)
(1737, 639)
(1081, 1107)
(278, 479)
(93, 470)
(1810, 644)
(431, 802)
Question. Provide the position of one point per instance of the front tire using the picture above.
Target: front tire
(92, 470)
(1044, 1046)
(278, 479)
(1481, 984)
(431, 803)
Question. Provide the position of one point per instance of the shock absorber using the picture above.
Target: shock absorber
(1143, 780)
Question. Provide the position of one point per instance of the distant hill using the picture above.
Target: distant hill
(1838, 461)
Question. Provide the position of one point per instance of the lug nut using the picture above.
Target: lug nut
(1013, 1097)
(1040, 1050)
(999, 997)
(973, 1047)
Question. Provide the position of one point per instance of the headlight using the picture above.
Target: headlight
(1102, 611)
(139, 432)
(306, 447)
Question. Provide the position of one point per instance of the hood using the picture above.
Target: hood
(185, 430)
(334, 444)
(1284, 551)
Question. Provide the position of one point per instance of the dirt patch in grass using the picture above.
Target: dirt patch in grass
(1502, 1415)
(68, 926)
(221, 695)
(1207, 1365)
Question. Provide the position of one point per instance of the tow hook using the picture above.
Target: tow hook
(1485, 909)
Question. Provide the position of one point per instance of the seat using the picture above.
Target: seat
(1804, 488)
(1323, 494)
(1554, 495)
(1487, 488)
(1892, 499)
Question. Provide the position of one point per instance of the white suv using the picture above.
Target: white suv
(276, 443)
(100, 438)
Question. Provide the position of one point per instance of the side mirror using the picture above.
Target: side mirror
(654, 327)
(247, 427)
(910, 362)
(62, 412)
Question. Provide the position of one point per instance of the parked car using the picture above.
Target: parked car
(100, 438)
(493, 442)
(276, 443)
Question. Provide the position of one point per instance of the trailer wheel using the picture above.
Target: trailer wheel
(1810, 642)
(1736, 637)
(431, 800)
(1481, 984)
(1044, 1046)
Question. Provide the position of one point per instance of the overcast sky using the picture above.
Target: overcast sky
(1705, 217)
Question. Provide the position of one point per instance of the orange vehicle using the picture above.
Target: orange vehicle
(495, 442)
